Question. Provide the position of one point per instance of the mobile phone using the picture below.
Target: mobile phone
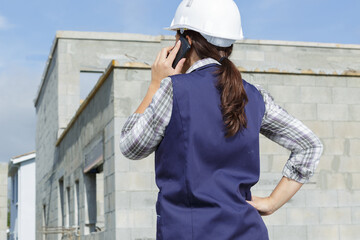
(184, 48)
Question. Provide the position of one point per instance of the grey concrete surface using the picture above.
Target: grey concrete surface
(317, 83)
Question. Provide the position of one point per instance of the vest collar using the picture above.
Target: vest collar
(201, 63)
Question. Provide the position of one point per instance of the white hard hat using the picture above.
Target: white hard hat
(218, 21)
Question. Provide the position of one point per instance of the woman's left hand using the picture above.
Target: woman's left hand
(162, 66)
(265, 206)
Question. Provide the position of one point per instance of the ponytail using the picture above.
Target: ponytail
(233, 97)
(229, 84)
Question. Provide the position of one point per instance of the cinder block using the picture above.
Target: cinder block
(154, 187)
(321, 198)
(268, 146)
(325, 163)
(130, 89)
(349, 232)
(333, 146)
(270, 231)
(355, 181)
(141, 200)
(331, 180)
(134, 218)
(353, 82)
(142, 218)
(322, 129)
(335, 215)
(109, 166)
(144, 165)
(109, 202)
(347, 129)
(122, 164)
(315, 95)
(122, 200)
(110, 183)
(354, 112)
(300, 80)
(143, 233)
(256, 79)
(349, 164)
(255, 56)
(355, 215)
(109, 149)
(333, 112)
(279, 162)
(277, 218)
(349, 198)
(268, 181)
(133, 181)
(285, 94)
(138, 75)
(330, 82)
(302, 216)
(123, 233)
(327, 232)
(123, 219)
(354, 147)
(346, 95)
(302, 111)
(297, 201)
(265, 163)
(289, 232)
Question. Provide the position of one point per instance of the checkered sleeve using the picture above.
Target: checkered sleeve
(282, 128)
(142, 132)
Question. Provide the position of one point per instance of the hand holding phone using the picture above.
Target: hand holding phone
(162, 66)
(184, 48)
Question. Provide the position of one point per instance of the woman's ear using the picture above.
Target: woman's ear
(189, 40)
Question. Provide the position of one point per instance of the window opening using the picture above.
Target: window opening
(87, 83)
(94, 204)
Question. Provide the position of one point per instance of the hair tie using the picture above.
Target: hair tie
(222, 59)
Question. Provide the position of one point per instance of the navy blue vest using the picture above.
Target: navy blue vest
(203, 177)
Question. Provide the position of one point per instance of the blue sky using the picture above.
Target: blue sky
(27, 29)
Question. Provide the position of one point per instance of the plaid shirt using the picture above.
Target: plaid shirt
(142, 133)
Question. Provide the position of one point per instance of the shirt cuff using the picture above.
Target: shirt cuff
(290, 171)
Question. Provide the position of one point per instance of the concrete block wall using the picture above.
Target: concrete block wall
(302, 79)
(317, 83)
(3, 199)
(136, 191)
(325, 208)
(56, 104)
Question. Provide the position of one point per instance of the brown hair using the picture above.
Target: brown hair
(230, 85)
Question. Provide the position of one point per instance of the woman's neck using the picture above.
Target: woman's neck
(190, 60)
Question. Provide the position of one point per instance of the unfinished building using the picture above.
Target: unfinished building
(85, 187)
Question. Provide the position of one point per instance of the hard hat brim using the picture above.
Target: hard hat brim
(177, 27)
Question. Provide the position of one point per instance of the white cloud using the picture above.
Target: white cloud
(4, 24)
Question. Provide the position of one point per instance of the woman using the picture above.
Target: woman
(203, 122)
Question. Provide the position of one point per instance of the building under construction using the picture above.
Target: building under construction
(85, 187)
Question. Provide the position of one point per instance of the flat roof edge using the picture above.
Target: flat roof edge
(23, 158)
(108, 36)
(300, 44)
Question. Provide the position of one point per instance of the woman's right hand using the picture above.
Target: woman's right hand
(265, 206)
(162, 67)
